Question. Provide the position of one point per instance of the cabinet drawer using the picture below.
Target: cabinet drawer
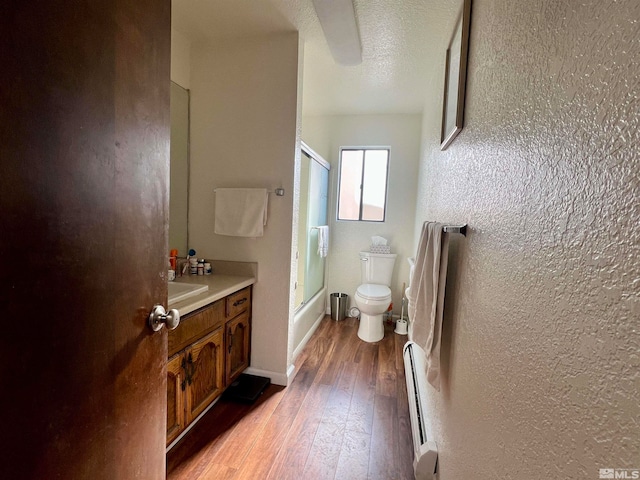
(194, 326)
(238, 302)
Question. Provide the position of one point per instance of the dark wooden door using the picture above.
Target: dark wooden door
(84, 157)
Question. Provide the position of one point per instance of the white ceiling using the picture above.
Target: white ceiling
(401, 41)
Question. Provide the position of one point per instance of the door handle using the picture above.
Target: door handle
(183, 384)
(158, 318)
(192, 369)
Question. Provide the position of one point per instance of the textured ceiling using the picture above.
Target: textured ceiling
(401, 39)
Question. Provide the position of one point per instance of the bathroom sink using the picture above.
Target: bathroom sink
(180, 291)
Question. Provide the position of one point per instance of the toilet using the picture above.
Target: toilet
(373, 297)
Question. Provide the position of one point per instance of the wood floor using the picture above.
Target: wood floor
(344, 416)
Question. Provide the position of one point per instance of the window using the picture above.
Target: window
(362, 190)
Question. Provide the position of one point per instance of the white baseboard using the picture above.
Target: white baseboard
(275, 377)
(291, 373)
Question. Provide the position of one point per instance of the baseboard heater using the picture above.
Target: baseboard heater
(425, 448)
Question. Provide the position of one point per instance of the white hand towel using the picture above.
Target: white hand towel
(323, 241)
(426, 296)
(241, 212)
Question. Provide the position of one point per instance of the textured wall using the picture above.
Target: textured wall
(402, 134)
(542, 336)
(244, 129)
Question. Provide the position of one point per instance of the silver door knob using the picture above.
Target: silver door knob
(158, 318)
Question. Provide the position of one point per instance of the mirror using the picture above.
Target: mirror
(179, 176)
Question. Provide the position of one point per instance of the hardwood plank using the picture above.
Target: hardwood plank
(321, 332)
(386, 378)
(350, 332)
(217, 472)
(400, 341)
(344, 416)
(337, 409)
(382, 461)
(319, 350)
(194, 452)
(239, 443)
(360, 418)
(267, 445)
(323, 457)
(292, 458)
(189, 457)
(353, 463)
(325, 451)
(329, 370)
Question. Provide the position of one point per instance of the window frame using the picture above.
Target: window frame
(386, 193)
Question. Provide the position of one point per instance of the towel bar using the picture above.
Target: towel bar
(278, 191)
(462, 229)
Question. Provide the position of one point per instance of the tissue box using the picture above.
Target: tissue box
(380, 249)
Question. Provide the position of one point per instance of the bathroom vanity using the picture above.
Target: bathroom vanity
(209, 349)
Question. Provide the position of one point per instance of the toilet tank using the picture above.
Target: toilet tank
(377, 267)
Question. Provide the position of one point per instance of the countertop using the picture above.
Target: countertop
(228, 278)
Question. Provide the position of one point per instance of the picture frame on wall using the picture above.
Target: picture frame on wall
(455, 78)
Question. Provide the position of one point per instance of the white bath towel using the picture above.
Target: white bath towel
(323, 241)
(426, 296)
(241, 212)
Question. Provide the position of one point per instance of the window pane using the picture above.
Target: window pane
(374, 190)
(350, 179)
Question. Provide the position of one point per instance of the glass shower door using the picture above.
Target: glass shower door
(316, 216)
(314, 190)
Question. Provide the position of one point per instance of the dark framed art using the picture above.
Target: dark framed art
(455, 78)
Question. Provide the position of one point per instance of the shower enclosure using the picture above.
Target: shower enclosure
(310, 289)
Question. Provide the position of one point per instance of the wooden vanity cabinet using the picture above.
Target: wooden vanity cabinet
(238, 334)
(175, 396)
(209, 350)
(195, 378)
(205, 363)
(238, 340)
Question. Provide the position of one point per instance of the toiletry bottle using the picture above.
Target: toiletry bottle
(207, 268)
(173, 257)
(171, 273)
(201, 266)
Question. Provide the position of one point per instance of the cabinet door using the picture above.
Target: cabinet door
(175, 396)
(238, 341)
(205, 372)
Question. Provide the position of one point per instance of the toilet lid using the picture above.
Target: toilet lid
(371, 291)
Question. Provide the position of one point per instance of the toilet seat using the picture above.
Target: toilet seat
(371, 291)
